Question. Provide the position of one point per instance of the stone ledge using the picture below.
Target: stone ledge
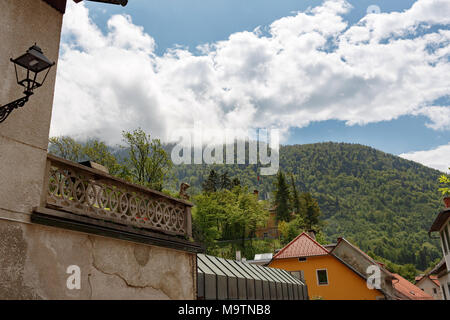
(60, 219)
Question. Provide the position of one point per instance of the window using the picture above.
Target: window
(434, 291)
(302, 259)
(322, 277)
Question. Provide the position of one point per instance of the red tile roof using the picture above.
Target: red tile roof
(302, 246)
(407, 289)
(434, 279)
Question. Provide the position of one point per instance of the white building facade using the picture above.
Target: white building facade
(442, 225)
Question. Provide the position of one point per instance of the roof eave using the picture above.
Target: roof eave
(440, 220)
(59, 5)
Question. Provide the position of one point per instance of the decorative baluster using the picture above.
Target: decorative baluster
(81, 191)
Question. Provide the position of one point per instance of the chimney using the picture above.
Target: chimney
(447, 201)
(312, 234)
(238, 255)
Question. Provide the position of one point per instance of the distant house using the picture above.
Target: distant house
(441, 272)
(442, 225)
(407, 291)
(270, 230)
(342, 271)
(326, 275)
(430, 284)
(262, 259)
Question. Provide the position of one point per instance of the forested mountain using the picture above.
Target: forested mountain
(382, 203)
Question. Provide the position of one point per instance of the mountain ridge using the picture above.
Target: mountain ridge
(381, 202)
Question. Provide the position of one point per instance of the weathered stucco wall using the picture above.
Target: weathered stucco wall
(24, 134)
(428, 285)
(34, 261)
(445, 226)
(359, 262)
(444, 280)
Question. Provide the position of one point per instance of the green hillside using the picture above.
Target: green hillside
(382, 203)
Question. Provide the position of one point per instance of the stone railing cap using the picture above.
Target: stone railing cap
(52, 157)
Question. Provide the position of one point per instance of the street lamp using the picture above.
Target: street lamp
(29, 75)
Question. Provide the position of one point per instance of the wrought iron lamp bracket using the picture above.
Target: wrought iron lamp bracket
(6, 110)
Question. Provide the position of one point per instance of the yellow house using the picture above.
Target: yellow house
(327, 276)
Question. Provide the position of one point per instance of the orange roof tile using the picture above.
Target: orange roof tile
(302, 246)
(433, 279)
(409, 290)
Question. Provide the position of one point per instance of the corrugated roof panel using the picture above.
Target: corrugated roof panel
(230, 267)
(258, 270)
(240, 269)
(249, 271)
(238, 280)
(203, 267)
(210, 264)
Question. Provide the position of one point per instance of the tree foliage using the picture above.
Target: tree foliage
(310, 212)
(147, 162)
(383, 203)
(282, 201)
(444, 181)
(93, 150)
(227, 215)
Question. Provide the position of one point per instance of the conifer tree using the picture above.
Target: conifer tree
(311, 211)
(296, 204)
(225, 181)
(212, 182)
(282, 198)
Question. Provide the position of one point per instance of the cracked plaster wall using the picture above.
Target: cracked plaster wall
(34, 260)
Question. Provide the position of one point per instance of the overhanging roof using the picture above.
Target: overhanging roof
(439, 268)
(302, 246)
(59, 5)
(440, 220)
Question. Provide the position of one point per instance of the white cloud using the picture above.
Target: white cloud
(436, 158)
(309, 67)
(439, 116)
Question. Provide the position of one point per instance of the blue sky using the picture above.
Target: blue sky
(187, 24)
(195, 22)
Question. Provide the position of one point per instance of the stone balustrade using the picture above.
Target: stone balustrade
(84, 191)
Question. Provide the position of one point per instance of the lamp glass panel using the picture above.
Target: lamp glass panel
(32, 62)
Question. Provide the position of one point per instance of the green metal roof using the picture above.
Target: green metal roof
(220, 278)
